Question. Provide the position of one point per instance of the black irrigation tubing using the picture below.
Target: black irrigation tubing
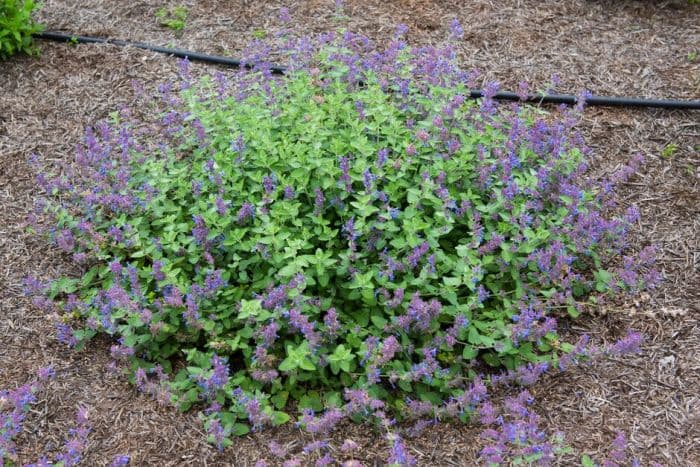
(475, 94)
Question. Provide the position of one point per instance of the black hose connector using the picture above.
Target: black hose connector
(603, 101)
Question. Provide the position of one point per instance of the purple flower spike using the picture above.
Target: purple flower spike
(456, 30)
(120, 461)
(247, 212)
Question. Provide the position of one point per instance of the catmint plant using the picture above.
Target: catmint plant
(348, 239)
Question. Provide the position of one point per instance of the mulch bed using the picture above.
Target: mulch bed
(636, 48)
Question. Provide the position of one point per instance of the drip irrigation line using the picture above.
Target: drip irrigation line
(604, 101)
(192, 56)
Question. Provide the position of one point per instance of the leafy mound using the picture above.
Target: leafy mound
(17, 27)
(354, 236)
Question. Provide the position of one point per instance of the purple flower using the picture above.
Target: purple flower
(326, 459)
(269, 184)
(416, 255)
(173, 296)
(220, 374)
(255, 414)
(45, 373)
(217, 432)
(288, 192)
(348, 445)
(157, 270)
(523, 90)
(349, 229)
(200, 230)
(65, 334)
(397, 299)
(277, 449)
(221, 206)
(77, 440)
(632, 214)
(191, 313)
(456, 30)
(267, 376)
(482, 294)
(197, 187)
(382, 157)
(120, 461)
(581, 99)
(319, 202)
(65, 240)
(631, 343)
(367, 179)
(314, 446)
(494, 242)
(617, 454)
(345, 173)
(246, 212)
(238, 145)
(201, 132)
(401, 30)
(421, 313)
(284, 15)
(269, 333)
(213, 282)
(275, 297)
(399, 455)
(360, 108)
(301, 322)
(331, 322)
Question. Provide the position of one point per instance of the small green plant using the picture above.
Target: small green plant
(259, 34)
(17, 27)
(692, 56)
(669, 151)
(172, 18)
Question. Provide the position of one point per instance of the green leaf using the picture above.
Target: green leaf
(288, 364)
(378, 321)
(63, 285)
(307, 365)
(452, 281)
(89, 276)
(249, 308)
(280, 399)
(572, 311)
(311, 400)
(240, 429)
(279, 418)
(469, 352)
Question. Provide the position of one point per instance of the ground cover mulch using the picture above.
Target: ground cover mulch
(641, 48)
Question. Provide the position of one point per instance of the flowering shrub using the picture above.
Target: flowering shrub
(17, 27)
(355, 237)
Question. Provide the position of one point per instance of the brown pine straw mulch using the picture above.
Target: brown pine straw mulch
(612, 48)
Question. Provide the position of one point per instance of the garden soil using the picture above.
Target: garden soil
(638, 48)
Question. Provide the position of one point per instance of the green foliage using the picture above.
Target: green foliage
(172, 17)
(17, 27)
(669, 151)
(259, 34)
